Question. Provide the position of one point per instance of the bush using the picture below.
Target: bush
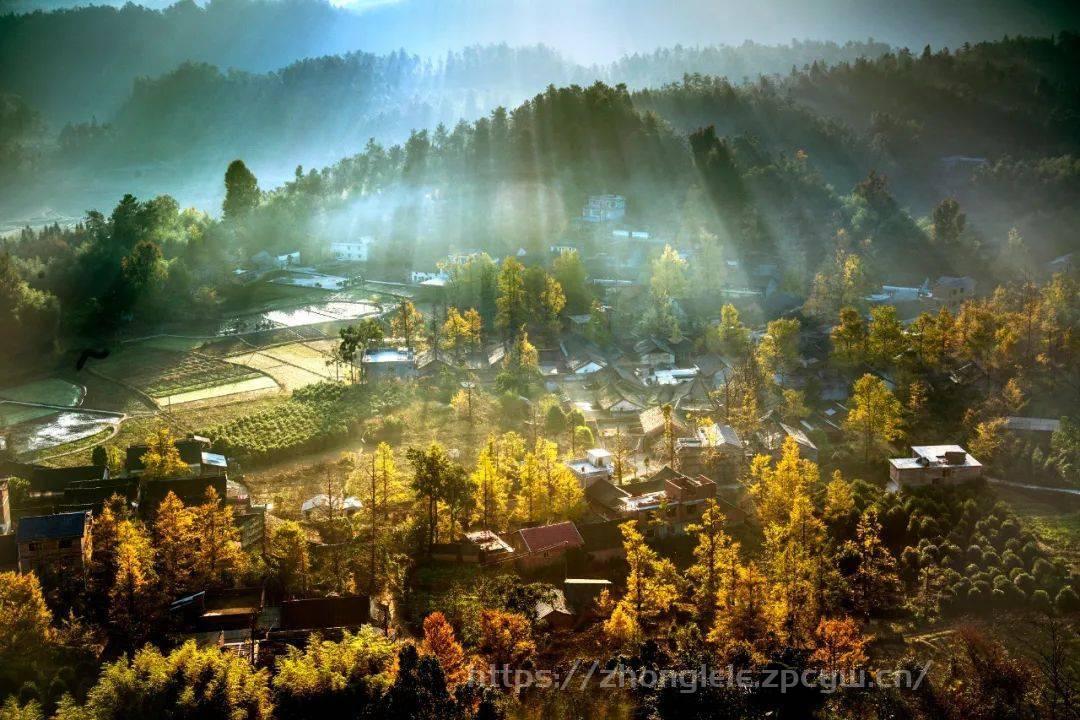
(1040, 600)
(1067, 600)
(1025, 582)
(1010, 560)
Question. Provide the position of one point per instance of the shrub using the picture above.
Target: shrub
(1067, 600)
(1040, 600)
(1025, 582)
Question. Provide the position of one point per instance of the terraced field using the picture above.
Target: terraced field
(171, 377)
(293, 366)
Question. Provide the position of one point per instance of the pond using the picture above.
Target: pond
(298, 316)
(56, 429)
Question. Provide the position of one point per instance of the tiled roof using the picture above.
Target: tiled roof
(564, 534)
(47, 479)
(606, 493)
(602, 535)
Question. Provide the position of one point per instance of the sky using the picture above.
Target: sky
(602, 30)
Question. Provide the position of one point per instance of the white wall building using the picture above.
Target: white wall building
(604, 208)
(352, 250)
(933, 464)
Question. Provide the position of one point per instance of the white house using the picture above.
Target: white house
(933, 464)
(952, 292)
(604, 208)
(596, 465)
(288, 259)
(352, 250)
(417, 277)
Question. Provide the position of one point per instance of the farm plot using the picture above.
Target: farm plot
(174, 378)
(293, 366)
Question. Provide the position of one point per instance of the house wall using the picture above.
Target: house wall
(928, 475)
(55, 555)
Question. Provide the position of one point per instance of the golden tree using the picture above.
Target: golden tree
(440, 641)
(839, 499)
(219, 556)
(774, 485)
(162, 459)
(875, 582)
(174, 538)
(793, 551)
(492, 490)
(506, 638)
(716, 559)
(288, 557)
(840, 646)
(743, 619)
(651, 586)
(407, 323)
(25, 621)
(135, 600)
(875, 417)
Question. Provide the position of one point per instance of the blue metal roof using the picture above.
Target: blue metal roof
(53, 527)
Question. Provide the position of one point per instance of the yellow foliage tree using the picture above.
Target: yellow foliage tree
(840, 646)
(174, 538)
(794, 552)
(716, 560)
(162, 459)
(506, 638)
(219, 556)
(875, 417)
(775, 485)
(439, 640)
(25, 620)
(651, 586)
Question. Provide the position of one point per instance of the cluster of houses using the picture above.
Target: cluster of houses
(49, 530)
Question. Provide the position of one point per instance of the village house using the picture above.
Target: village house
(9, 553)
(668, 498)
(595, 466)
(545, 544)
(352, 250)
(1036, 429)
(388, 363)
(329, 616)
(50, 544)
(619, 399)
(489, 546)
(48, 482)
(933, 464)
(190, 490)
(714, 450)
(654, 352)
(324, 506)
(773, 432)
(652, 426)
(194, 451)
(603, 208)
(602, 541)
(232, 610)
(952, 292)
